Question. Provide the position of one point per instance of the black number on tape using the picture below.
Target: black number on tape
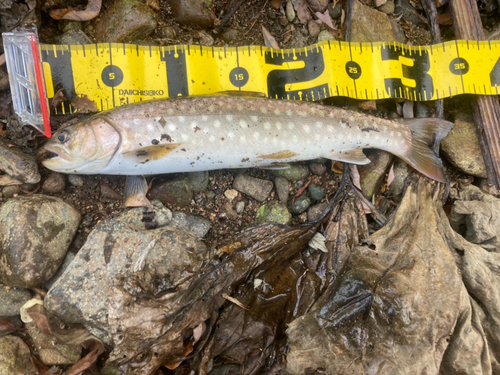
(176, 72)
(112, 76)
(495, 74)
(424, 86)
(278, 79)
(239, 77)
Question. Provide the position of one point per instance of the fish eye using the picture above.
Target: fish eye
(61, 137)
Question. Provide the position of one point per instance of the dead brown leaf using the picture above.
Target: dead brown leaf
(326, 19)
(7, 327)
(91, 11)
(445, 19)
(83, 104)
(302, 10)
(58, 99)
(367, 105)
(269, 40)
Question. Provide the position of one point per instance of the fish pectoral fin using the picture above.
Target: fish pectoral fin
(136, 189)
(274, 166)
(154, 152)
(354, 156)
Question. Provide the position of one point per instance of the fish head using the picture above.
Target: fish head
(83, 148)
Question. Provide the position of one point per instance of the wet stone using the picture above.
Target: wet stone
(273, 212)
(10, 191)
(55, 183)
(15, 357)
(17, 164)
(75, 180)
(125, 21)
(388, 7)
(317, 193)
(257, 188)
(313, 28)
(335, 9)
(177, 192)
(317, 169)
(195, 225)
(231, 194)
(316, 211)
(290, 12)
(35, 233)
(143, 218)
(397, 185)
(74, 37)
(300, 205)
(110, 193)
(229, 35)
(199, 181)
(204, 38)
(230, 212)
(325, 35)
(294, 173)
(114, 247)
(370, 25)
(282, 188)
(240, 207)
(11, 300)
(372, 174)
(65, 264)
(193, 12)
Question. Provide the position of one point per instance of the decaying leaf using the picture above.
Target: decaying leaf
(368, 104)
(390, 175)
(83, 104)
(7, 327)
(269, 40)
(91, 11)
(318, 242)
(318, 5)
(302, 10)
(326, 19)
(58, 99)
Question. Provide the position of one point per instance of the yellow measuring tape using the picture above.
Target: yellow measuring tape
(115, 74)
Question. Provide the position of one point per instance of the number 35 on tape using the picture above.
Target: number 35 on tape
(116, 74)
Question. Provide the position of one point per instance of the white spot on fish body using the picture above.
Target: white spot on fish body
(229, 118)
(289, 113)
(330, 128)
(193, 110)
(291, 125)
(319, 125)
(263, 110)
(307, 128)
(256, 135)
(277, 112)
(172, 127)
(230, 134)
(170, 111)
(211, 108)
(194, 124)
(211, 138)
(254, 118)
(267, 125)
(217, 123)
(204, 118)
(242, 139)
(343, 124)
(295, 139)
(351, 118)
(278, 125)
(150, 127)
(275, 141)
(317, 137)
(392, 134)
(184, 137)
(182, 118)
(301, 113)
(239, 107)
(243, 123)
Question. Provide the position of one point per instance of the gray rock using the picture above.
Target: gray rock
(273, 212)
(316, 211)
(325, 35)
(240, 206)
(74, 37)
(10, 191)
(193, 12)
(388, 7)
(231, 194)
(66, 25)
(257, 188)
(290, 12)
(335, 9)
(11, 300)
(55, 183)
(300, 205)
(197, 226)
(461, 147)
(65, 264)
(82, 293)
(317, 169)
(370, 25)
(49, 351)
(372, 174)
(379, 3)
(17, 164)
(125, 21)
(409, 13)
(297, 40)
(75, 180)
(401, 171)
(15, 357)
(294, 173)
(142, 218)
(317, 192)
(313, 28)
(282, 188)
(178, 192)
(35, 232)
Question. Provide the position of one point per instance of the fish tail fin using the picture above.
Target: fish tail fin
(425, 133)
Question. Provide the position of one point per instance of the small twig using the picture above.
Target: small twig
(301, 190)
(228, 16)
(30, 192)
(256, 18)
(234, 300)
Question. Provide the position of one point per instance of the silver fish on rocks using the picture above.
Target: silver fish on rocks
(216, 132)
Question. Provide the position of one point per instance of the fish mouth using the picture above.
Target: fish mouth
(57, 153)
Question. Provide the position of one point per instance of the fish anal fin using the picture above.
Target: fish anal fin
(136, 188)
(285, 154)
(354, 156)
(154, 152)
(274, 166)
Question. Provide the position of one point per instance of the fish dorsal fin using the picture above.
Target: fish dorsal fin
(355, 156)
(154, 152)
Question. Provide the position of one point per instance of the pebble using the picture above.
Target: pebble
(204, 38)
(193, 12)
(55, 183)
(73, 37)
(294, 173)
(317, 193)
(210, 195)
(36, 231)
(379, 3)
(10, 191)
(370, 25)
(17, 164)
(273, 212)
(335, 9)
(49, 351)
(230, 212)
(276, 4)
(110, 193)
(317, 5)
(372, 175)
(282, 188)
(257, 188)
(195, 225)
(75, 180)
(300, 205)
(317, 169)
(177, 192)
(401, 171)
(15, 357)
(229, 35)
(240, 206)
(11, 300)
(388, 7)
(325, 35)
(313, 28)
(82, 294)
(316, 211)
(231, 194)
(462, 137)
(297, 40)
(65, 264)
(125, 21)
(290, 12)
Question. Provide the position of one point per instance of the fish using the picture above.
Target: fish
(188, 134)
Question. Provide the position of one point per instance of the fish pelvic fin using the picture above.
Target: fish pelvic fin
(425, 133)
(136, 188)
